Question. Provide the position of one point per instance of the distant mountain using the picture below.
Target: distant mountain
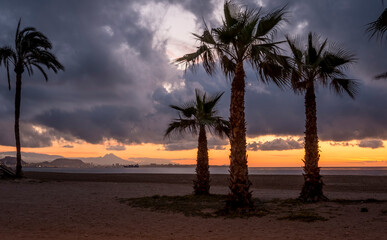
(108, 159)
(70, 163)
(61, 163)
(10, 161)
(32, 157)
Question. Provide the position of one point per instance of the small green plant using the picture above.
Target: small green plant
(206, 206)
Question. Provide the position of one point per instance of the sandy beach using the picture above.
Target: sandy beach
(85, 206)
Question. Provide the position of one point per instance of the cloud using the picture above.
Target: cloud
(30, 137)
(278, 144)
(145, 160)
(191, 142)
(119, 81)
(116, 147)
(371, 144)
(343, 144)
(68, 146)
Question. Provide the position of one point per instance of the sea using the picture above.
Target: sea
(363, 171)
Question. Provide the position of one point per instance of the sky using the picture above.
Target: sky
(119, 81)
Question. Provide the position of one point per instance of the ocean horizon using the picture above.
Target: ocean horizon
(362, 171)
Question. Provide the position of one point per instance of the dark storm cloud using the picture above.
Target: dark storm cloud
(338, 118)
(125, 125)
(109, 59)
(113, 86)
(29, 138)
(371, 144)
(278, 144)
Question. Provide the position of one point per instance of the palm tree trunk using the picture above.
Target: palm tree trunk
(239, 184)
(202, 182)
(313, 184)
(19, 172)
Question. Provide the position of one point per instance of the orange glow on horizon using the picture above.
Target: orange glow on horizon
(331, 156)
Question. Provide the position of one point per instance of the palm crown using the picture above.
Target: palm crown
(377, 29)
(321, 63)
(31, 50)
(200, 112)
(244, 35)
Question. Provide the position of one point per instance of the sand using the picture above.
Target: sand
(85, 206)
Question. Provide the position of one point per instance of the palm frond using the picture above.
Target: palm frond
(231, 12)
(7, 55)
(341, 85)
(311, 56)
(269, 23)
(41, 70)
(219, 127)
(381, 76)
(181, 126)
(336, 60)
(378, 27)
(228, 66)
(203, 53)
(206, 37)
(271, 71)
(296, 51)
(211, 102)
(188, 111)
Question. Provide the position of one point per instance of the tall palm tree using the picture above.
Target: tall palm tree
(245, 35)
(309, 66)
(31, 50)
(377, 29)
(197, 116)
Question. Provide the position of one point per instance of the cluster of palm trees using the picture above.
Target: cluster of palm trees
(246, 36)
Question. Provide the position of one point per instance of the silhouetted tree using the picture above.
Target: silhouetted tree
(31, 51)
(311, 65)
(245, 35)
(377, 29)
(195, 117)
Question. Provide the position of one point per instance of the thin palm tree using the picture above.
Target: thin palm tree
(244, 36)
(317, 63)
(377, 29)
(197, 116)
(31, 50)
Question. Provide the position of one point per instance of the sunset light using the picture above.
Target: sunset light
(194, 119)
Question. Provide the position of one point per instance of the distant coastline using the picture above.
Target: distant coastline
(214, 170)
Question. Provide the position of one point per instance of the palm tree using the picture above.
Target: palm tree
(197, 116)
(377, 29)
(31, 50)
(245, 35)
(311, 65)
